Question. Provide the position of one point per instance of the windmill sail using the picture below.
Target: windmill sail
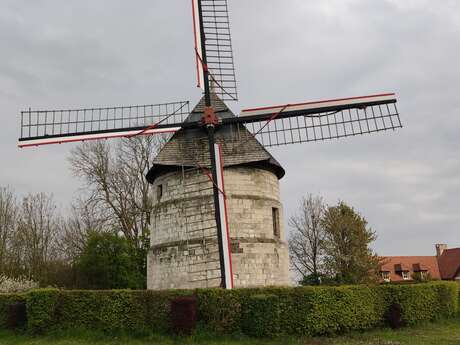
(322, 120)
(44, 127)
(211, 24)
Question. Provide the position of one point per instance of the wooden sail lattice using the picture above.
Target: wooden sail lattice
(63, 125)
(219, 50)
(326, 126)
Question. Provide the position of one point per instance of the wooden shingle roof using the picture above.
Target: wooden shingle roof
(189, 147)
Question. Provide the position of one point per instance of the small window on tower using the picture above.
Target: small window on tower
(159, 192)
(276, 222)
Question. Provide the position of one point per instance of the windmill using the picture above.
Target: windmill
(271, 125)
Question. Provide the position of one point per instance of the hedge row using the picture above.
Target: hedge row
(323, 310)
(108, 311)
(257, 312)
(5, 301)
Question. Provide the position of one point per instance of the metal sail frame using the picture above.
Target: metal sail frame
(298, 123)
(213, 47)
(272, 126)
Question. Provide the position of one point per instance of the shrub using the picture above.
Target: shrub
(394, 316)
(108, 311)
(423, 302)
(328, 310)
(183, 315)
(420, 277)
(220, 310)
(258, 312)
(41, 306)
(109, 262)
(15, 285)
(261, 316)
(312, 279)
(17, 315)
(322, 310)
(5, 301)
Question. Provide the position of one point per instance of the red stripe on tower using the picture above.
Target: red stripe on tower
(227, 253)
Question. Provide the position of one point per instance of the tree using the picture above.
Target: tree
(8, 224)
(107, 262)
(75, 228)
(305, 240)
(116, 184)
(34, 244)
(346, 246)
(117, 188)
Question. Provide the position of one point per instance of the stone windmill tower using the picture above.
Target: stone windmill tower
(184, 253)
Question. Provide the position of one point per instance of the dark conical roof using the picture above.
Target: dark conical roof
(189, 147)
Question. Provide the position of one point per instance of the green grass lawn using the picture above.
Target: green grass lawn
(445, 332)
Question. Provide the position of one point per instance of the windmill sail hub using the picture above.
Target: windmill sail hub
(188, 147)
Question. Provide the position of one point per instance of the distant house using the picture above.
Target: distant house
(445, 265)
(449, 262)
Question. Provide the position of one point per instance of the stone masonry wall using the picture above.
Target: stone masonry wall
(183, 250)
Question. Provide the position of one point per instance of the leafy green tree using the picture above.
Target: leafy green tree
(109, 262)
(348, 257)
(318, 279)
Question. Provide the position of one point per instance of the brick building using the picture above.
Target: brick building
(445, 265)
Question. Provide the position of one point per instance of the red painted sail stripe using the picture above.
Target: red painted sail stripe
(73, 139)
(320, 102)
(195, 33)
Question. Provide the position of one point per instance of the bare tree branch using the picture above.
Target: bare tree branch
(116, 184)
(306, 237)
(37, 233)
(8, 223)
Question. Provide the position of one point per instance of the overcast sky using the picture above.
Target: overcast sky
(406, 183)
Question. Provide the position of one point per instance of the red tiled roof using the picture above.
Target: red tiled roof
(401, 267)
(412, 264)
(418, 267)
(449, 263)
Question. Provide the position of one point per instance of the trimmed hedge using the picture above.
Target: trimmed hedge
(263, 312)
(458, 283)
(322, 310)
(41, 307)
(5, 301)
(108, 311)
(421, 302)
(258, 315)
(302, 310)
